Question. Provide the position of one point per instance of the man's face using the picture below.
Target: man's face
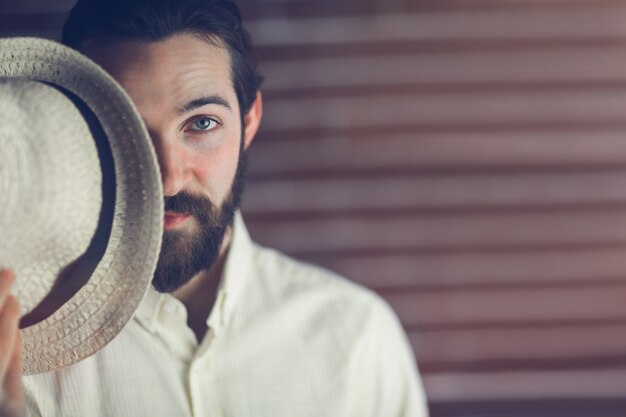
(184, 92)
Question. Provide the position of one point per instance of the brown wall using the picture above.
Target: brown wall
(465, 159)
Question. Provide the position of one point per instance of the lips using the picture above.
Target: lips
(174, 219)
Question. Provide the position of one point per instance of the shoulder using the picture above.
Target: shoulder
(315, 293)
(298, 278)
(344, 330)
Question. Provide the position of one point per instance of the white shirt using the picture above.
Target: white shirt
(285, 339)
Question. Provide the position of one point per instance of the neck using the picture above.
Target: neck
(199, 294)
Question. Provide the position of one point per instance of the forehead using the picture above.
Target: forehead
(171, 72)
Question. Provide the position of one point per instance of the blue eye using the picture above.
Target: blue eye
(204, 124)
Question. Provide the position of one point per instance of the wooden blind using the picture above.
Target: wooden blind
(466, 159)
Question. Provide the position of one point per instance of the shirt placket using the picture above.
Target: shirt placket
(204, 401)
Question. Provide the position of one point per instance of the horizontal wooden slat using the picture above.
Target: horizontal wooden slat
(300, 8)
(449, 109)
(567, 64)
(440, 231)
(278, 54)
(48, 34)
(35, 22)
(537, 365)
(582, 22)
(285, 197)
(475, 269)
(575, 384)
(498, 307)
(521, 344)
(35, 6)
(447, 150)
(324, 8)
(542, 407)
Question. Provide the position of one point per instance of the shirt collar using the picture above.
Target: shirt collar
(234, 276)
(148, 311)
(232, 283)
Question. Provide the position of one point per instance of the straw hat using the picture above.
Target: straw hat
(78, 174)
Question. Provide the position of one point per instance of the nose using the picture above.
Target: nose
(173, 162)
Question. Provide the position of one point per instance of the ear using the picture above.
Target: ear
(252, 120)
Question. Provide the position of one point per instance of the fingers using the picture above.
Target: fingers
(9, 320)
(6, 281)
(12, 393)
(13, 388)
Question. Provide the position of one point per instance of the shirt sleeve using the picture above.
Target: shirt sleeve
(387, 381)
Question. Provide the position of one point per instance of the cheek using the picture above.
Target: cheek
(215, 169)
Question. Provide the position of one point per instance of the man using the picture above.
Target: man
(230, 328)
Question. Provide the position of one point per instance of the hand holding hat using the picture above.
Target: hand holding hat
(12, 392)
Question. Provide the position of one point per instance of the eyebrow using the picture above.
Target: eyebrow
(203, 101)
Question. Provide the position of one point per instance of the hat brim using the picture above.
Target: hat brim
(106, 303)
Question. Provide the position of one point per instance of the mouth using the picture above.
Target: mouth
(173, 219)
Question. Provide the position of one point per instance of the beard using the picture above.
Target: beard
(183, 253)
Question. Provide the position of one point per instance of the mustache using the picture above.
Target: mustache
(199, 206)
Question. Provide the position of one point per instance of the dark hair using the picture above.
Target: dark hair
(216, 21)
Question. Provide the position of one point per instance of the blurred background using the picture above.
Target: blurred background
(466, 159)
